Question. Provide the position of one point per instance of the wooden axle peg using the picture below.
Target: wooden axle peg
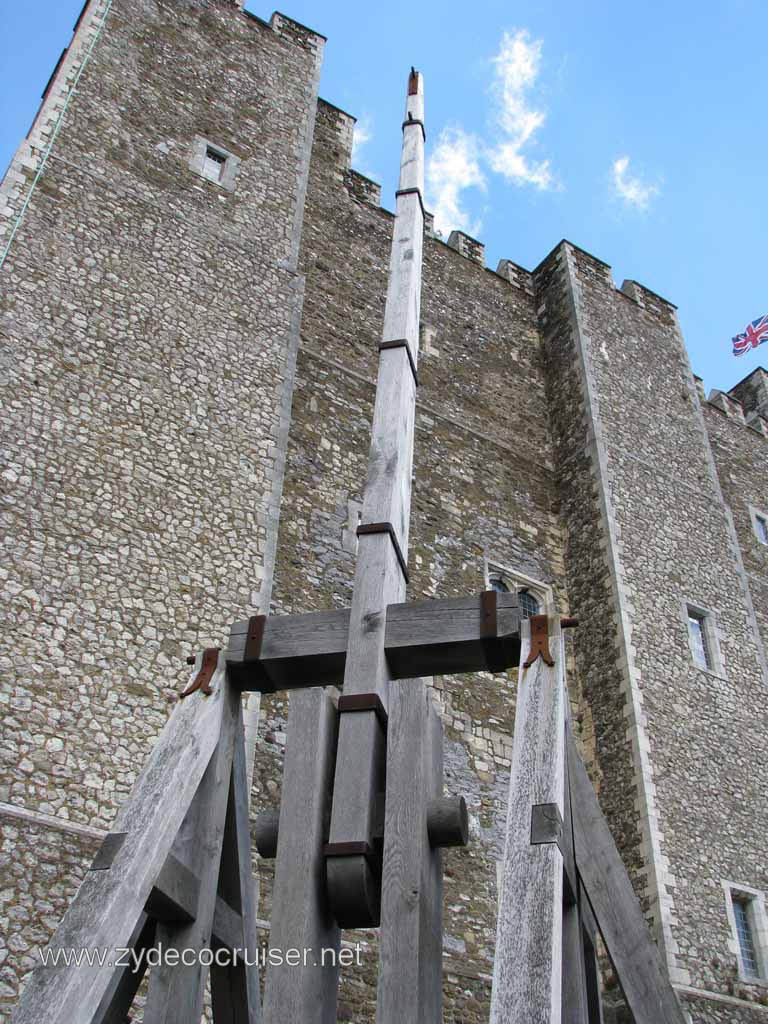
(447, 822)
(265, 832)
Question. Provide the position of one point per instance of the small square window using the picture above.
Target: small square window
(213, 165)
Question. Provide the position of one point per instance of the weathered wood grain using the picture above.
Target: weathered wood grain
(410, 946)
(235, 994)
(109, 903)
(302, 918)
(379, 579)
(527, 974)
(421, 638)
(175, 994)
(643, 978)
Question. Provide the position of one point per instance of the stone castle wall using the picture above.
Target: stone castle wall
(148, 330)
(163, 412)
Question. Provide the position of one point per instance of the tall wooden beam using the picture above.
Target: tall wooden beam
(528, 962)
(410, 959)
(380, 574)
(302, 918)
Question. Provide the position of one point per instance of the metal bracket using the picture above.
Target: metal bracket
(539, 641)
(357, 849)
(364, 702)
(254, 637)
(203, 677)
(386, 528)
(414, 120)
(546, 825)
(489, 632)
(410, 192)
(403, 342)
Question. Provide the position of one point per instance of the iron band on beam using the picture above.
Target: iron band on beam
(366, 528)
(402, 343)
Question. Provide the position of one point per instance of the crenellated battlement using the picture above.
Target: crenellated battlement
(746, 402)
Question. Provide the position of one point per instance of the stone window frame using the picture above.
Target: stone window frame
(516, 581)
(230, 167)
(711, 628)
(756, 514)
(758, 926)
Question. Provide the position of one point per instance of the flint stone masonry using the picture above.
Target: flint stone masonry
(188, 375)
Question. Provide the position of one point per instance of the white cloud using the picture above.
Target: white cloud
(631, 190)
(453, 166)
(516, 69)
(363, 134)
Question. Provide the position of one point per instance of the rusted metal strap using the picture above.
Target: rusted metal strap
(203, 678)
(366, 528)
(415, 120)
(539, 641)
(410, 192)
(489, 632)
(254, 637)
(402, 343)
(364, 702)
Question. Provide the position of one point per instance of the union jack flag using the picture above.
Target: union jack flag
(754, 334)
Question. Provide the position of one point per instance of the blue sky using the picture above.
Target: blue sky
(637, 132)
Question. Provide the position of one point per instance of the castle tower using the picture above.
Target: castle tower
(192, 300)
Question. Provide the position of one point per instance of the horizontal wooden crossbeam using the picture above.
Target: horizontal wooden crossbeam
(174, 898)
(423, 638)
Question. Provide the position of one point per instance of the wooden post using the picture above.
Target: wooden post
(527, 965)
(380, 576)
(410, 961)
(105, 912)
(301, 918)
(176, 990)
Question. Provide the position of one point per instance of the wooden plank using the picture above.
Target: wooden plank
(410, 945)
(176, 990)
(635, 957)
(421, 638)
(118, 999)
(527, 968)
(109, 903)
(379, 578)
(574, 996)
(235, 994)
(302, 917)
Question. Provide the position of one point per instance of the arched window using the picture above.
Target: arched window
(508, 582)
(528, 604)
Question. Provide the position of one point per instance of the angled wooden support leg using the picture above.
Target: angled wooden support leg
(118, 999)
(301, 916)
(235, 994)
(410, 959)
(176, 988)
(612, 899)
(575, 1009)
(528, 963)
(112, 897)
